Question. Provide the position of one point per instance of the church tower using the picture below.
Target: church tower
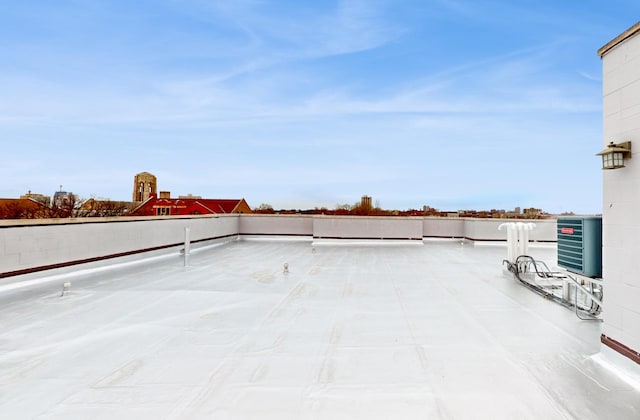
(144, 184)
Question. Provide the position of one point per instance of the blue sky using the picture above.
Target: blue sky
(453, 104)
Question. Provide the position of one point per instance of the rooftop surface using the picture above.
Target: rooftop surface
(433, 331)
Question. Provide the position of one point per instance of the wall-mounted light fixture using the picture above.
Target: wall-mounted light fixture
(613, 156)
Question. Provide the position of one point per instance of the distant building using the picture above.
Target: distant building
(144, 185)
(40, 198)
(63, 199)
(365, 202)
(514, 214)
(164, 205)
(532, 213)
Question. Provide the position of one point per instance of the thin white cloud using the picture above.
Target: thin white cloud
(234, 98)
(590, 76)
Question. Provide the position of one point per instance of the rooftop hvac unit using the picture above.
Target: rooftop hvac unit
(580, 245)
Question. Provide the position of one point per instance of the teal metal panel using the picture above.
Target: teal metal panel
(580, 245)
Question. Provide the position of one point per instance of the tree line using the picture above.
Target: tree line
(30, 209)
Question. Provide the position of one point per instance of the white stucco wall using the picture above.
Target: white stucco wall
(63, 241)
(621, 197)
(367, 227)
(263, 224)
(487, 229)
(442, 227)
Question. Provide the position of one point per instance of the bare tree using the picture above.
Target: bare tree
(103, 208)
(264, 208)
(64, 208)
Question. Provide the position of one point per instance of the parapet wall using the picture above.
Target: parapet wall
(358, 227)
(36, 245)
(275, 225)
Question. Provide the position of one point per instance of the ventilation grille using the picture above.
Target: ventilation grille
(580, 245)
(570, 244)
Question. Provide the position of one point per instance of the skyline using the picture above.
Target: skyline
(450, 104)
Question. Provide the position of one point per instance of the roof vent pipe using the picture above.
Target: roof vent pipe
(517, 239)
(512, 240)
(187, 245)
(66, 287)
(523, 237)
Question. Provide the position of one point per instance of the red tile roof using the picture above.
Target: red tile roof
(21, 208)
(186, 206)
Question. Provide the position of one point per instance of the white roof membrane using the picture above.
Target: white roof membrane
(370, 332)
